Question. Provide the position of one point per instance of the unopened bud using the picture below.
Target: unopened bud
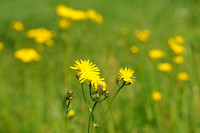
(107, 94)
(95, 97)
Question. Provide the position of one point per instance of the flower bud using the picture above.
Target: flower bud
(107, 94)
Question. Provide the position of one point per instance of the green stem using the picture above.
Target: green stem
(111, 103)
(90, 91)
(85, 97)
(66, 123)
(91, 114)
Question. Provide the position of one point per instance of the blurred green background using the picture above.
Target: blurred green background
(32, 94)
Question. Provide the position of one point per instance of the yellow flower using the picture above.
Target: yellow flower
(71, 113)
(183, 76)
(165, 67)
(65, 23)
(1, 46)
(179, 39)
(142, 35)
(177, 49)
(70, 13)
(126, 75)
(94, 16)
(124, 31)
(178, 59)
(98, 83)
(27, 55)
(156, 96)
(86, 70)
(134, 49)
(16, 25)
(157, 54)
(41, 35)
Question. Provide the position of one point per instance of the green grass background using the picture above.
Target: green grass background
(31, 95)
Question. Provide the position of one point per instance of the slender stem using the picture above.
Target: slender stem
(85, 97)
(91, 114)
(66, 123)
(102, 100)
(66, 116)
(111, 103)
(68, 105)
(90, 91)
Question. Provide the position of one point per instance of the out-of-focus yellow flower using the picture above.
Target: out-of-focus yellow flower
(126, 75)
(49, 42)
(156, 96)
(165, 67)
(124, 31)
(183, 76)
(142, 35)
(70, 13)
(1, 46)
(27, 55)
(40, 35)
(179, 39)
(134, 49)
(157, 54)
(40, 47)
(178, 59)
(16, 25)
(94, 16)
(71, 113)
(65, 23)
(177, 49)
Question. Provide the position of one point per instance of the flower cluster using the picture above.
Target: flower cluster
(42, 35)
(68, 15)
(87, 71)
(176, 44)
(27, 55)
(142, 35)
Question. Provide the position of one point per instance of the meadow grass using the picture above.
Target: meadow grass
(32, 94)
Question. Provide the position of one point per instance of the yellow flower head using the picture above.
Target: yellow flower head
(27, 55)
(165, 67)
(94, 16)
(87, 70)
(16, 25)
(178, 59)
(156, 96)
(71, 113)
(179, 39)
(157, 54)
(41, 35)
(142, 35)
(70, 13)
(1, 46)
(134, 49)
(183, 76)
(126, 75)
(124, 31)
(177, 49)
(65, 23)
